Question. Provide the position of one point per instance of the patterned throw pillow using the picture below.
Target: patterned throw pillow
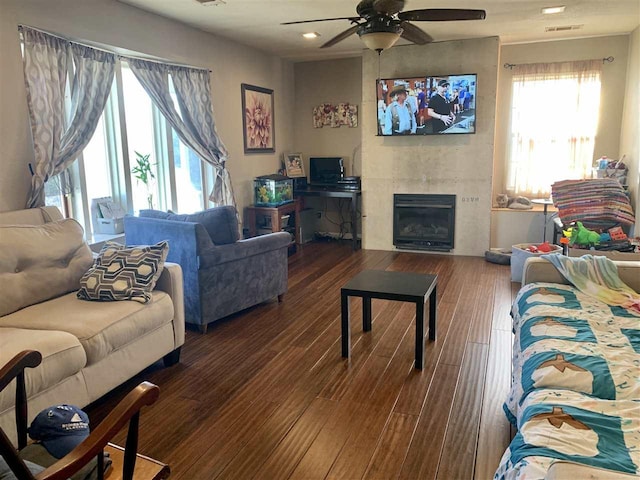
(124, 273)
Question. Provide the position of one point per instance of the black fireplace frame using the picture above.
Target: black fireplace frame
(403, 200)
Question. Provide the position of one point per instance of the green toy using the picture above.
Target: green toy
(580, 235)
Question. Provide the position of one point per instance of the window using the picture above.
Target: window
(130, 124)
(554, 119)
(141, 127)
(188, 171)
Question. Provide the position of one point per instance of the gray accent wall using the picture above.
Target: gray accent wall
(453, 164)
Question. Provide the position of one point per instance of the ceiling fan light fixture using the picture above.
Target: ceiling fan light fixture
(380, 33)
(311, 35)
(379, 41)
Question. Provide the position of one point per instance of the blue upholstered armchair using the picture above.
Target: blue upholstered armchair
(222, 274)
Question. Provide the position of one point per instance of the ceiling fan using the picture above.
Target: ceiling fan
(380, 23)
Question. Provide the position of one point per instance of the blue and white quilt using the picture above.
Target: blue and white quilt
(575, 392)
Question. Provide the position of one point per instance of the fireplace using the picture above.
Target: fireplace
(424, 222)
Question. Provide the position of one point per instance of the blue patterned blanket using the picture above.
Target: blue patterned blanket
(575, 392)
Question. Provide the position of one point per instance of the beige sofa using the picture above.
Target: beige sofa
(88, 347)
(540, 270)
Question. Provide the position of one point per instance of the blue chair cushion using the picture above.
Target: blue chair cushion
(220, 223)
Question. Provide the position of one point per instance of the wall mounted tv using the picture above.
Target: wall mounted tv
(435, 105)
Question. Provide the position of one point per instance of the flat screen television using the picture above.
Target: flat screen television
(325, 171)
(434, 105)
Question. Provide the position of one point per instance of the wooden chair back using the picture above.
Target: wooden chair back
(127, 411)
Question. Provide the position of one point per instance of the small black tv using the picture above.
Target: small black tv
(429, 105)
(325, 171)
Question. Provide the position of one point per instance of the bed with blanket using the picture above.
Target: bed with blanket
(575, 395)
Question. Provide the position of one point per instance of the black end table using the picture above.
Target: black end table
(398, 286)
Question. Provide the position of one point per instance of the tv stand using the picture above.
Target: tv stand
(335, 192)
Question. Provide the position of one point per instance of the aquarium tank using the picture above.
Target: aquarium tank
(272, 190)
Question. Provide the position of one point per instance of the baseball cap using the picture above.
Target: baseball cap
(60, 428)
(442, 83)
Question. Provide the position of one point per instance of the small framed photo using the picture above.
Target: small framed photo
(257, 119)
(293, 164)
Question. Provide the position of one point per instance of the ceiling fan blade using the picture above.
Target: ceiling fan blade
(353, 19)
(341, 36)
(442, 15)
(390, 7)
(414, 34)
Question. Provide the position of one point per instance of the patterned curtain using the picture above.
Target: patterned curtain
(46, 62)
(194, 124)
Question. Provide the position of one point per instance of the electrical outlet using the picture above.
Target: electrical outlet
(318, 214)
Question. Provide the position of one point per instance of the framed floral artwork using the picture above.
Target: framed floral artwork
(257, 120)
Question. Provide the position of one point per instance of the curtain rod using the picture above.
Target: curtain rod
(120, 57)
(131, 57)
(608, 59)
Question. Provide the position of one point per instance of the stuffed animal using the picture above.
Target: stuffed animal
(584, 237)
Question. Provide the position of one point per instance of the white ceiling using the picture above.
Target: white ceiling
(257, 22)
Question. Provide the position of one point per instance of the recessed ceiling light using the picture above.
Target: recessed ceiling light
(551, 10)
(311, 35)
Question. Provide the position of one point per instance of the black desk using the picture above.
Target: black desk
(398, 286)
(335, 193)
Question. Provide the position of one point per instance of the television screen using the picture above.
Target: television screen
(325, 170)
(440, 104)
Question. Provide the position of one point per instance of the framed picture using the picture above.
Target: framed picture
(293, 164)
(257, 119)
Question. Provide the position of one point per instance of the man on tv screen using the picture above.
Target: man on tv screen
(399, 118)
(440, 108)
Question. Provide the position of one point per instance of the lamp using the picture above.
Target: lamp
(380, 33)
(379, 41)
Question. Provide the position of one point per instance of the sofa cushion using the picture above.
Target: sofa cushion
(101, 327)
(62, 357)
(31, 216)
(39, 262)
(221, 223)
(148, 213)
(122, 273)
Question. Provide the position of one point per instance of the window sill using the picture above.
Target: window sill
(536, 209)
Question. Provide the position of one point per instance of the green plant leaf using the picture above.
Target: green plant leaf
(143, 171)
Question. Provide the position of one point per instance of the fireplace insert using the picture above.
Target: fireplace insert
(424, 222)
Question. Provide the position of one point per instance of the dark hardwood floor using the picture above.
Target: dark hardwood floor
(266, 394)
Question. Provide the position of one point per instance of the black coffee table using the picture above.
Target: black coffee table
(398, 286)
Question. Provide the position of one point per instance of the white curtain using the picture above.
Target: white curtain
(46, 65)
(194, 124)
(554, 119)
